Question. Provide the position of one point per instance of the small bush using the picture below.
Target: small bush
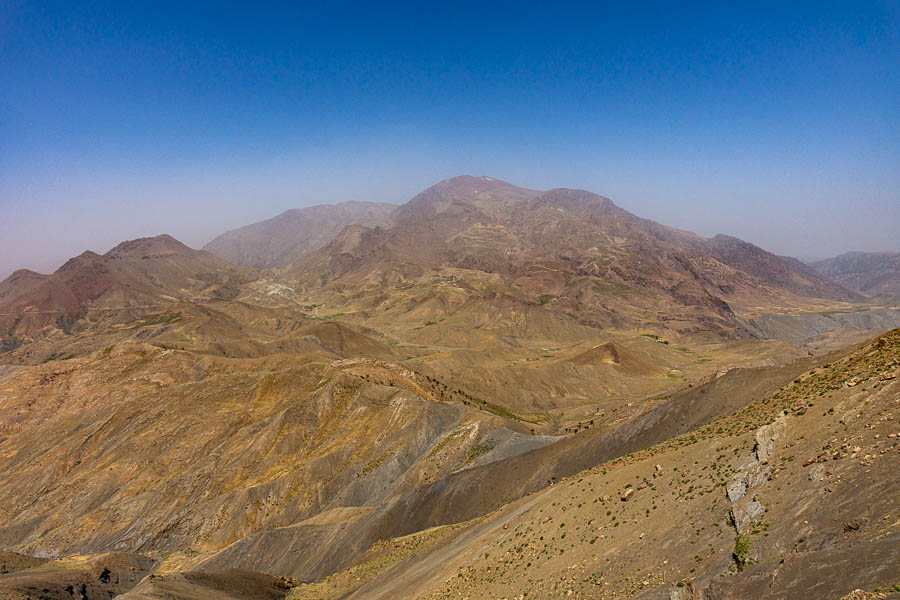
(743, 548)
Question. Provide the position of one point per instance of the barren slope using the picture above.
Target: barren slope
(144, 449)
(791, 497)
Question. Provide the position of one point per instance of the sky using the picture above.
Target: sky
(775, 122)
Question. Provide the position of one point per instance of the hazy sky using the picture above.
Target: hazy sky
(775, 122)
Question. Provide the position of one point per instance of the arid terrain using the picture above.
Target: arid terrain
(485, 392)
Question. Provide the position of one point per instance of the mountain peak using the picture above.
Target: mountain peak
(23, 275)
(873, 273)
(722, 237)
(464, 194)
(76, 262)
(470, 185)
(159, 245)
(285, 238)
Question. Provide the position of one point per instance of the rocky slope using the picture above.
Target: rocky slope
(222, 464)
(800, 328)
(792, 496)
(143, 449)
(787, 274)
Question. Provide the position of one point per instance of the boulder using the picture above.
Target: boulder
(817, 472)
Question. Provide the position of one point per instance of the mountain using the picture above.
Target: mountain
(20, 282)
(499, 287)
(135, 274)
(590, 259)
(873, 273)
(790, 275)
(466, 387)
(782, 272)
(285, 238)
(785, 273)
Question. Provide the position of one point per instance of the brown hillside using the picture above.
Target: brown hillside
(140, 273)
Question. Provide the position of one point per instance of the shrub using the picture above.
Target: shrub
(743, 547)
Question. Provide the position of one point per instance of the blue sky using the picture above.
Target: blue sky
(775, 122)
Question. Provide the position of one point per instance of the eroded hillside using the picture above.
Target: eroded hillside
(791, 496)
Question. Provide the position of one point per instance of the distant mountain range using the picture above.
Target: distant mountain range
(482, 382)
(457, 201)
(873, 273)
(285, 238)
(563, 252)
(571, 251)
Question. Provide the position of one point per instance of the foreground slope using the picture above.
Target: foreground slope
(292, 466)
(790, 497)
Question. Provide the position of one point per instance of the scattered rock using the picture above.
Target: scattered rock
(863, 595)
(817, 472)
(854, 525)
(628, 494)
(688, 592)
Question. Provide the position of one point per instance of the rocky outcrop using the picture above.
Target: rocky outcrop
(756, 472)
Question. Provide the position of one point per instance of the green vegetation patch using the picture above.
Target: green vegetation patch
(480, 450)
(743, 551)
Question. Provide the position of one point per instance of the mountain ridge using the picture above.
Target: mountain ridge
(873, 273)
(484, 224)
(287, 236)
